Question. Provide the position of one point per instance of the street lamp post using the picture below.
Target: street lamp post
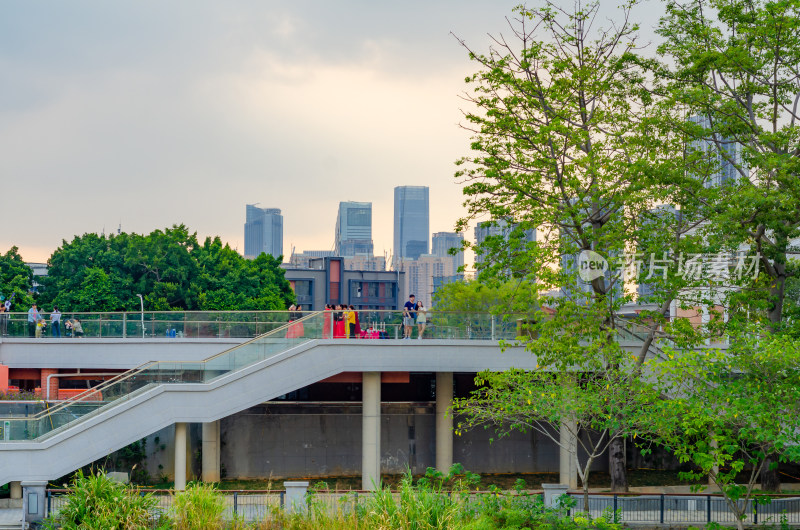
(141, 304)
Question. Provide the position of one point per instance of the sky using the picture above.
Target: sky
(149, 113)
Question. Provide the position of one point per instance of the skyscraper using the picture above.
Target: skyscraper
(499, 228)
(441, 244)
(725, 155)
(354, 229)
(263, 232)
(411, 222)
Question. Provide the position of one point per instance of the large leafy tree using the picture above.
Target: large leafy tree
(170, 268)
(567, 140)
(730, 409)
(16, 280)
(733, 73)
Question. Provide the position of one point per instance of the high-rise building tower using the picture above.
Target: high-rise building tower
(411, 222)
(441, 244)
(354, 229)
(499, 228)
(724, 153)
(263, 232)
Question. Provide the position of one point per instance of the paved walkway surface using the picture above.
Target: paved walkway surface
(10, 517)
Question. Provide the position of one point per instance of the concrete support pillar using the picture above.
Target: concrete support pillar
(15, 489)
(568, 451)
(371, 431)
(34, 502)
(444, 421)
(211, 446)
(180, 456)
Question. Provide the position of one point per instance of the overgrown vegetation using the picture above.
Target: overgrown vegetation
(436, 501)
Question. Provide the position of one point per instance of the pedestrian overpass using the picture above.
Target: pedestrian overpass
(154, 395)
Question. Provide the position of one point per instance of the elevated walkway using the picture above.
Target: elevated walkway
(159, 394)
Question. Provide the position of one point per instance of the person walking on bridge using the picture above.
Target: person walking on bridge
(33, 319)
(55, 322)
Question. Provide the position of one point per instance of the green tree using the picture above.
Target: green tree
(730, 410)
(567, 140)
(735, 67)
(171, 270)
(16, 279)
(583, 413)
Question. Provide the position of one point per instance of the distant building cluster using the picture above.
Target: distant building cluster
(351, 273)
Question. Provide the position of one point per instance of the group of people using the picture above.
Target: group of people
(37, 324)
(346, 322)
(414, 313)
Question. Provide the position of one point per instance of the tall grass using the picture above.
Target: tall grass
(199, 507)
(97, 502)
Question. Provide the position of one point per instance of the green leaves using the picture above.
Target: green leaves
(169, 268)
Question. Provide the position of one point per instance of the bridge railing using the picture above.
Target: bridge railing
(140, 379)
(295, 329)
(249, 324)
(150, 324)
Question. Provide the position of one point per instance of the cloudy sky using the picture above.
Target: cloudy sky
(150, 113)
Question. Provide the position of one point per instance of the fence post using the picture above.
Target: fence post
(708, 508)
(662, 509)
(494, 335)
(235, 502)
(125, 325)
(49, 503)
(755, 512)
(615, 507)
(283, 501)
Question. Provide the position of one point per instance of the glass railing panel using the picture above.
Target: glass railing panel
(129, 384)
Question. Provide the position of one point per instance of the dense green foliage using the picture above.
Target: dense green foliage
(97, 502)
(170, 268)
(730, 410)
(668, 168)
(434, 502)
(16, 279)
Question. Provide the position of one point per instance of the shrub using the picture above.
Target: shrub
(97, 502)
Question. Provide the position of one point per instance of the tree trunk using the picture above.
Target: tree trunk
(770, 479)
(616, 465)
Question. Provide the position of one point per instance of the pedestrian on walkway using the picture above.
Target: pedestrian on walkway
(409, 316)
(55, 322)
(33, 319)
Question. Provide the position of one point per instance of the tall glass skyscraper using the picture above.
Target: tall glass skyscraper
(263, 232)
(725, 154)
(354, 229)
(442, 242)
(411, 222)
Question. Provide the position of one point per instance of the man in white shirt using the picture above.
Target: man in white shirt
(55, 322)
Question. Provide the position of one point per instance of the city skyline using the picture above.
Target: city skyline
(148, 114)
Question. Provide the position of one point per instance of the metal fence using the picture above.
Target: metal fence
(666, 509)
(388, 324)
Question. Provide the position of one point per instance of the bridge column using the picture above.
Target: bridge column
(211, 446)
(180, 456)
(15, 489)
(568, 450)
(34, 502)
(371, 431)
(444, 421)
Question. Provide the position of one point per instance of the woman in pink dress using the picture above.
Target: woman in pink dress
(326, 322)
(338, 323)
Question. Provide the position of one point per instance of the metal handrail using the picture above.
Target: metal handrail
(134, 371)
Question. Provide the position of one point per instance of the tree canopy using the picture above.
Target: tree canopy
(169, 268)
(16, 280)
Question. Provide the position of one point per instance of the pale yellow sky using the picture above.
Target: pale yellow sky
(149, 114)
